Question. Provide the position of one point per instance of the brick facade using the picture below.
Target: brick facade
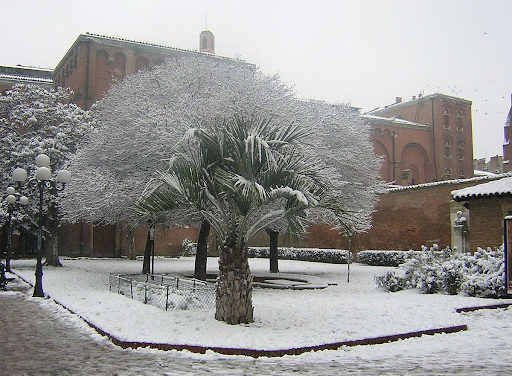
(443, 151)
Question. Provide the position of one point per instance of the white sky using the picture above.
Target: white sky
(362, 52)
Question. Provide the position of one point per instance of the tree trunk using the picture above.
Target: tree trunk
(202, 251)
(131, 245)
(147, 256)
(117, 240)
(234, 286)
(274, 259)
(52, 249)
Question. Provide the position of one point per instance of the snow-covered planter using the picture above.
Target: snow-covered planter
(331, 256)
(433, 271)
(382, 258)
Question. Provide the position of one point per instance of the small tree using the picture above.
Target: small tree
(263, 173)
(34, 120)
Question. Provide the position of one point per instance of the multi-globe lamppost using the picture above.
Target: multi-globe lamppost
(43, 179)
(12, 198)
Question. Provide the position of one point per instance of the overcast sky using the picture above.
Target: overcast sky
(361, 52)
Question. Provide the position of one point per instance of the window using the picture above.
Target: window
(460, 153)
(460, 149)
(446, 119)
(461, 174)
(459, 121)
(447, 173)
(204, 43)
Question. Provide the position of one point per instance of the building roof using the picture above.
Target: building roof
(120, 42)
(500, 187)
(418, 100)
(21, 74)
(396, 188)
(393, 121)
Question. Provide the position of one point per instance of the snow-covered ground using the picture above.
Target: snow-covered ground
(283, 318)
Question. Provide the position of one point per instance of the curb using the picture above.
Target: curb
(494, 306)
(256, 353)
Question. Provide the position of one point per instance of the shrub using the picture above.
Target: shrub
(382, 258)
(188, 247)
(433, 271)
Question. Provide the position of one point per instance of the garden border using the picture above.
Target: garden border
(256, 353)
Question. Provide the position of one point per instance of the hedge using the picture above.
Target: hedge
(331, 256)
(382, 258)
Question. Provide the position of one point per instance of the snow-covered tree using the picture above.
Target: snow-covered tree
(34, 120)
(259, 173)
(143, 118)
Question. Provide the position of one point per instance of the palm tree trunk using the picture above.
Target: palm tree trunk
(202, 251)
(234, 286)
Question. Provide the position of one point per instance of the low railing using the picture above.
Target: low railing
(165, 292)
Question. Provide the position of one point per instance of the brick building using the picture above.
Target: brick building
(485, 206)
(9, 76)
(438, 145)
(94, 62)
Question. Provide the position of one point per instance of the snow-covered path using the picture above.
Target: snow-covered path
(40, 338)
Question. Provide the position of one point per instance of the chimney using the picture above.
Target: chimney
(398, 100)
(206, 42)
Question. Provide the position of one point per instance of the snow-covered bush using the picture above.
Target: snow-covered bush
(433, 271)
(331, 256)
(486, 274)
(188, 247)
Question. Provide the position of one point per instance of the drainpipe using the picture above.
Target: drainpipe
(434, 141)
(393, 161)
(86, 89)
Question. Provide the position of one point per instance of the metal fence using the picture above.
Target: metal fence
(164, 291)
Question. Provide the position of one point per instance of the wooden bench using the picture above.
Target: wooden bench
(3, 279)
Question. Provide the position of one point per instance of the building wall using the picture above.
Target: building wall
(486, 220)
(404, 149)
(409, 218)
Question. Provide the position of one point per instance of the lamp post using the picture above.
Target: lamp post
(11, 199)
(43, 179)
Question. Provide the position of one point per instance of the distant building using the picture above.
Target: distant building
(9, 76)
(434, 142)
(494, 165)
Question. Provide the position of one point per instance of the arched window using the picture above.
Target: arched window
(447, 174)
(459, 122)
(204, 43)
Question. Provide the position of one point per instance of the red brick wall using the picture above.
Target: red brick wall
(486, 221)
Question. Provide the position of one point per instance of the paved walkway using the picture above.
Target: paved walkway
(39, 338)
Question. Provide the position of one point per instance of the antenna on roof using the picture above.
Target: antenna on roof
(206, 21)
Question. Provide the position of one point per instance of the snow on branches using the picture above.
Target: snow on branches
(34, 120)
(145, 117)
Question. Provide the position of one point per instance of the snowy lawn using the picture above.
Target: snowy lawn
(283, 318)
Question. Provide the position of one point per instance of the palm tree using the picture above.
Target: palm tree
(257, 174)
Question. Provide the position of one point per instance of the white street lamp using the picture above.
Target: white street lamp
(43, 178)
